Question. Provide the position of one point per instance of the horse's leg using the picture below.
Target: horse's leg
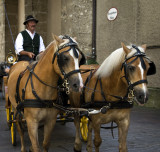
(89, 141)
(123, 126)
(77, 143)
(48, 128)
(21, 133)
(97, 137)
(33, 134)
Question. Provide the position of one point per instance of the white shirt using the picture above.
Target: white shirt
(19, 42)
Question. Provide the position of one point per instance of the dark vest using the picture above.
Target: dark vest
(29, 45)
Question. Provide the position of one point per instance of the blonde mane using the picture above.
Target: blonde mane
(114, 61)
(44, 52)
(47, 48)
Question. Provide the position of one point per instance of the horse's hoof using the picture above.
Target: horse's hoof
(77, 150)
(30, 149)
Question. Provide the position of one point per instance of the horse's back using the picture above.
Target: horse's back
(91, 67)
(74, 97)
(15, 70)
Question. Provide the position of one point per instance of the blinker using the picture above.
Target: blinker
(152, 68)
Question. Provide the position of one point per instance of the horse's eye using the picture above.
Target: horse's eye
(131, 68)
(65, 58)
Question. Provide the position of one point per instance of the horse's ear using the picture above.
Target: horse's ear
(75, 38)
(125, 48)
(144, 46)
(57, 39)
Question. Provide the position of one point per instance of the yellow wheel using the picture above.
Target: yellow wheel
(62, 119)
(13, 129)
(84, 128)
(8, 111)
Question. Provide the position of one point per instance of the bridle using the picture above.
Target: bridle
(73, 45)
(140, 55)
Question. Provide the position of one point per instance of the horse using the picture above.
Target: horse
(33, 88)
(121, 78)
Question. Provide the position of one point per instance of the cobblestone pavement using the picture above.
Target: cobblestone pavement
(143, 135)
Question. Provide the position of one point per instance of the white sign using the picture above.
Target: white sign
(112, 14)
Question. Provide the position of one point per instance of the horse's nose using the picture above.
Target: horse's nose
(75, 84)
(142, 96)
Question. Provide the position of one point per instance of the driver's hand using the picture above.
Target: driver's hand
(31, 55)
(7, 70)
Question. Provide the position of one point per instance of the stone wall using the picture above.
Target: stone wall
(77, 22)
(148, 32)
(12, 11)
(38, 8)
(110, 34)
(2, 33)
(137, 23)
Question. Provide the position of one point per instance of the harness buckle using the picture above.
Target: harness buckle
(67, 90)
(131, 96)
(66, 85)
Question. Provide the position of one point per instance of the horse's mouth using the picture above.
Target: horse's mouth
(140, 104)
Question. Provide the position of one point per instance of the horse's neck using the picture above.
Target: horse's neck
(114, 85)
(45, 71)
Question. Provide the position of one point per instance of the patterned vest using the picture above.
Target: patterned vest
(30, 45)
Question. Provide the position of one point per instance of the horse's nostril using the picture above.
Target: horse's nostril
(141, 97)
(75, 85)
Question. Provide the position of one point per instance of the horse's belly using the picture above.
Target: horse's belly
(111, 115)
(41, 114)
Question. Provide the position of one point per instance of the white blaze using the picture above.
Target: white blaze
(76, 66)
(142, 73)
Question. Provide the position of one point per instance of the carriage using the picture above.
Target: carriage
(125, 100)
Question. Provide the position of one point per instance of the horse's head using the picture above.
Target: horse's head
(66, 61)
(135, 68)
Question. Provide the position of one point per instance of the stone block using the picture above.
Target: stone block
(154, 98)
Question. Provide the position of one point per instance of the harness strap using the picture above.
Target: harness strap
(83, 91)
(131, 86)
(33, 103)
(112, 104)
(93, 93)
(72, 72)
(31, 71)
(103, 103)
(33, 91)
(24, 89)
(17, 96)
(102, 92)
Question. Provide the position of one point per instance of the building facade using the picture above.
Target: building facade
(137, 22)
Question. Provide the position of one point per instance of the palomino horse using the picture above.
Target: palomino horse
(34, 90)
(120, 78)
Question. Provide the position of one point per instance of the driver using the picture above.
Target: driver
(28, 43)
